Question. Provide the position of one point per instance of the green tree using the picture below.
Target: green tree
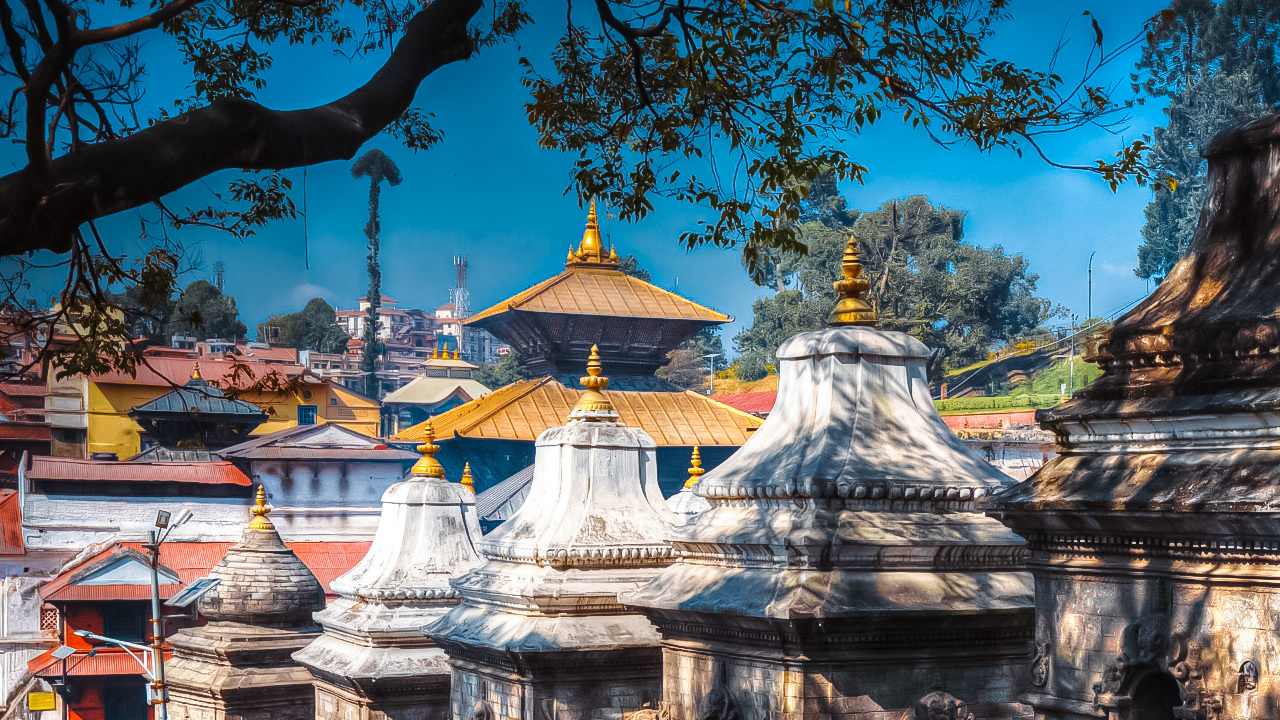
(379, 168)
(315, 327)
(959, 299)
(507, 370)
(631, 266)
(203, 311)
(732, 106)
(1216, 64)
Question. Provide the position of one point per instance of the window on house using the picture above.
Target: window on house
(306, 414)
(124, 621)
(124, 699)
(48, 620)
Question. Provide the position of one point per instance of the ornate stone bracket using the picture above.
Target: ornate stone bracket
(719, 705)
(1040, 664)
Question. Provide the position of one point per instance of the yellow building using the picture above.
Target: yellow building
(89, 414)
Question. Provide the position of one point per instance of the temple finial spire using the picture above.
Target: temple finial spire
(852, 308)
(594, 404)
(260, 511)
(468, 481)
(695, 468)
(195, 372)
(591, 251)
(428, 465)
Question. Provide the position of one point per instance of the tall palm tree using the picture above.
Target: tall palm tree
(376, 166)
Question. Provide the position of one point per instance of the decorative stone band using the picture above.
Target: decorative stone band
(829, 489)
(379, 594)
(1242, 550)
(858, 558)
(930, 637)
(614, 556)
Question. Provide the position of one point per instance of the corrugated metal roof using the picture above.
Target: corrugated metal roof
(176, 371)
(203, 473)
(10, 524)
(523, 409)
(498, 502)
(193, 560)
(298, 443)
(107, 661)
(424, 390)
(24, 430)
(198, 396)
(756, 403)
(159, 453)
(601, 291)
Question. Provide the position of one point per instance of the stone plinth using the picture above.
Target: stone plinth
(843, 570)
(539, 632)
(373, 661)
(1155, 534)
(239, 665)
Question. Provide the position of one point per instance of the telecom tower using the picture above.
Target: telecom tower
(218, 268)
(461, 296)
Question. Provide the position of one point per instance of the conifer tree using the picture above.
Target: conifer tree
(376, 166)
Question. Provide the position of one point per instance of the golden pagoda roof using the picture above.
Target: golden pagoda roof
(592, 284)
(523, 409)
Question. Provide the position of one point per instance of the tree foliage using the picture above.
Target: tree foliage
(315, 327)
(959, 299)
(1216, 64)
(734, 106)
(507, 370)
(201, 310)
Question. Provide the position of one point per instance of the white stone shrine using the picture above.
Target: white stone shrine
(843, 569)
(373, 660)
(539, 632)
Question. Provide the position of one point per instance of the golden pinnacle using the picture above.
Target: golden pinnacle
(260, 512)
(428, 465)
(695, 468)
(594, 400)
(467, 481)
(852, 308)
(195, 373)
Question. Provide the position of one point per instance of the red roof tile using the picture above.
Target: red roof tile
(10, 524)
(176, 371)
(203, 473)
(755, 403)
(23, 430)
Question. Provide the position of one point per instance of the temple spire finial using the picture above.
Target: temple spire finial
(591, 251)
(467, 480)
(195, 373)
(695, 468)
(260, 511)
(852, 308)
(594, 404)
(428, 465)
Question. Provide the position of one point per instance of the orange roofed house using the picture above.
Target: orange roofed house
(553, 326)
(89, 415)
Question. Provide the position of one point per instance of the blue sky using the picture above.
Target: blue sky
(489, 193)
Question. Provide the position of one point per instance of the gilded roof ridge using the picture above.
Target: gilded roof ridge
(478, 407)
(525, 295)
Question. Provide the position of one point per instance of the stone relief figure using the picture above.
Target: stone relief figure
(1147, 640)
(940, 705)
(719, 705)
(1250, 673)
(662, 712)
(481, 711)
(1040, 664)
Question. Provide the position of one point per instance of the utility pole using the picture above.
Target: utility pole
(1072, 372)
(711, 360)
(160, 694)
(1090, 315)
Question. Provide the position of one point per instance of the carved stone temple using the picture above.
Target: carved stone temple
(239, 665)
(539, 632)
(843, 569)
(1155, 533)
(373, 661)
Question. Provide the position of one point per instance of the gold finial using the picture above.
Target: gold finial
(435, 353)
(457, 354)
(613, 253)
(428, 465)
(467, 481)
(593, 402)
(852, 308)
(591, 250)
(569, 258)
(260, 512)
(195, 373)
(695, 468)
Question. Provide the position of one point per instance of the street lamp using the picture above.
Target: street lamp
(711, 360)
(159, 694)
(1090, 315)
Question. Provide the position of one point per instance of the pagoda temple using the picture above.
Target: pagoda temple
(189, 422)
(553, 326)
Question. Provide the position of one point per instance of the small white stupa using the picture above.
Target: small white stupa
(373, 659)
(539, 625)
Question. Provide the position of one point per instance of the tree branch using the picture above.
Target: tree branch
(120, 174)
(133, 27)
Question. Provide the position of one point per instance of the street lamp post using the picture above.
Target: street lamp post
(711, 360)
(159, 692)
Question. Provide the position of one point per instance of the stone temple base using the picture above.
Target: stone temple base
(231, 671)
(427, 700)
(759, 670)
(574, 685)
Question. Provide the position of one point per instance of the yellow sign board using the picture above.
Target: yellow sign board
(37, 701)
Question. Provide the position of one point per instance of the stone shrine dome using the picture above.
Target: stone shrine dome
(263, 581)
